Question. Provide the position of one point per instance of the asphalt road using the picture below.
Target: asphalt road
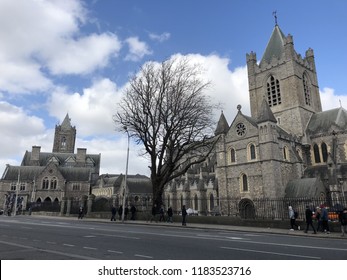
(38, 238)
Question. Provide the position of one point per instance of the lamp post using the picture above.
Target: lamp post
(125, 190)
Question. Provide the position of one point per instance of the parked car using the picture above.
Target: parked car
(192, 212)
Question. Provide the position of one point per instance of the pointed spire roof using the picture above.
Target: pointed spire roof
(222, 126)
(275, 46)
(66, 123)
(265, 113)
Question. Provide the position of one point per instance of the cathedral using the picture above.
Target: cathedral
(50, 177)
(287, 148)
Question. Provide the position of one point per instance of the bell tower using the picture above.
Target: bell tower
(64, 137)
(286, 80)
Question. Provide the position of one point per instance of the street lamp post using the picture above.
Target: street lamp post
(126, 175)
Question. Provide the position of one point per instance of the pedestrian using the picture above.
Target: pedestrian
(325, 220)
(80, 213)
(343, 221)
(292, 216)
(161, 214)
(184, 215)
(319, 219)
(113, 213)
(154, 213)
(133, 212)
(126, 211)
(308, 216)
(120, 212)
(169, 215)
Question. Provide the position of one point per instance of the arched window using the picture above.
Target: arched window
(54, 183)
(273, 91)
(45, 183)
(244, 183)
(324, 152)
(63, 142)
(307, 90)
(196, 205)
(232, 155)
(316, 153)
(252, 153)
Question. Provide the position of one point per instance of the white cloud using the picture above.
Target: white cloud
(137, 49)
(330, 100)
(160, 37)
(91, 111)
(40, 37)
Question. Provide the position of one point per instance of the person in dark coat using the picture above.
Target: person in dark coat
(169, 215)
(308, 216)
(120, 212)
(80, 212)
(343, 221)
(113, 213)
(325, 220)
(184, 215)
(133, 212)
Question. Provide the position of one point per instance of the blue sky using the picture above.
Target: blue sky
(74, 56)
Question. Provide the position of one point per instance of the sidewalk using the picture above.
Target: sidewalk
(335, 235)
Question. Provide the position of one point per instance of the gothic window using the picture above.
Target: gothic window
(244, 183)
(324, 152)
(22, 187)
(196, 207)
(13, 186)
(307, 91)
(63, 142)
(76, 187)
(45, 183)
(54, 183)
(232, 155)
(316, 153)
(251, 152)
(273, 91)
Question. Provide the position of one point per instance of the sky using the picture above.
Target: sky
(76, 57)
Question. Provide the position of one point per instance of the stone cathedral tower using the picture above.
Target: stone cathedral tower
(64, 137)
(287, 81)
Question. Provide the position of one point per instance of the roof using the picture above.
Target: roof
(275, 46)
(323, 121)
(222, 126)
(265, 113)
(66, 124)
(305, 187)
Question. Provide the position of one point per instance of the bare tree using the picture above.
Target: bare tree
(165, 110)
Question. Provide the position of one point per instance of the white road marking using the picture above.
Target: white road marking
(51, 242)
(69, 245)
(143, 256)
(271, 253)
(89, 236)
(116, 252)
(89, 248)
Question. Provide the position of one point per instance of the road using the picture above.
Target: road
(38, 238)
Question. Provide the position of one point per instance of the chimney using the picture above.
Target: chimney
(81, 156)
(35, 155)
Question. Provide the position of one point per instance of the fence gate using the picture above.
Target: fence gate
(246, 209)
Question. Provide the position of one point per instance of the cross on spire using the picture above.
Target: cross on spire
(274, 13)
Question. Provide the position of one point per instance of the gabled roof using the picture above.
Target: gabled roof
(265, 113)
(222, 126)
(275, 46)
(305, 187)
(324, 121)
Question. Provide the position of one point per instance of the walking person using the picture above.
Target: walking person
(308, 216)
(120, 212)
(169, 215)
(325, 220)
(161, 214)
(154, 213)
(184, 215)
(319, 219)
(113, 213)
(343, 221)
(292, 216)
(133, 212)
(80, 213)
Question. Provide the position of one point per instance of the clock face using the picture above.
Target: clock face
(240, 129)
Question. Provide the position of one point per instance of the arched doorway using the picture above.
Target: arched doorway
(246, 209)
